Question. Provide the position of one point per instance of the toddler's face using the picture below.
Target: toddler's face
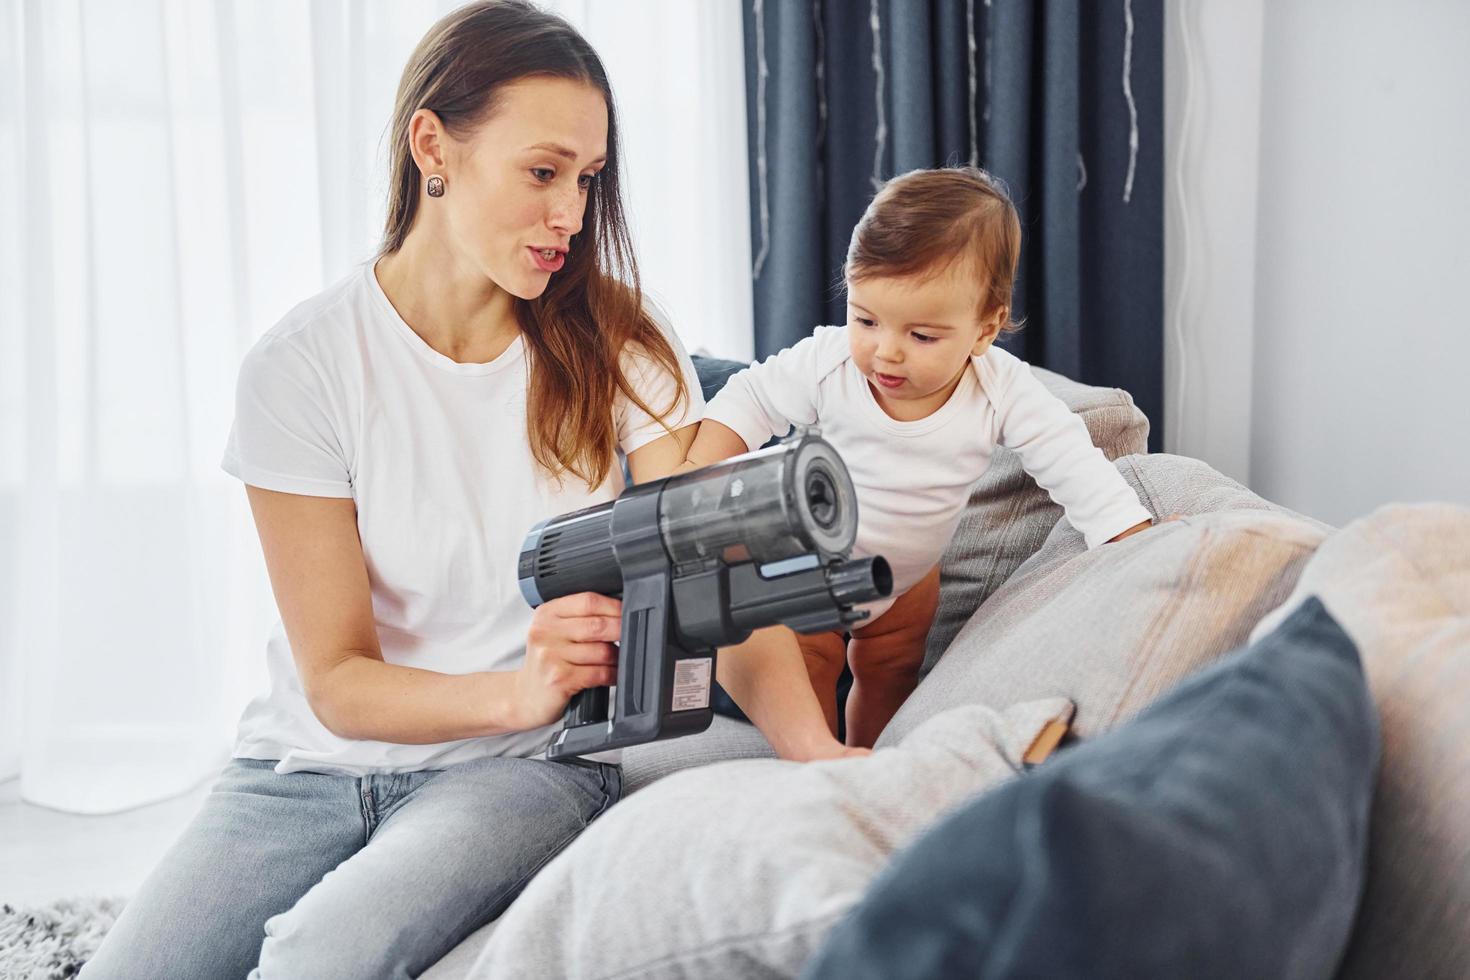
(911, 338)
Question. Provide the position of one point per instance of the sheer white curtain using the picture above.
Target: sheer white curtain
(174, 176)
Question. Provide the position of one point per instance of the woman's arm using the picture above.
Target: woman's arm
(320, 581)
(661, 457)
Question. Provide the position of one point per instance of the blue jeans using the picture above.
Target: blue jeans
(323, 876)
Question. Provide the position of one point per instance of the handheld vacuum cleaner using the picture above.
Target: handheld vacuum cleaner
(700, 560)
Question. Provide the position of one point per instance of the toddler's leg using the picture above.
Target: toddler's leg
(825, 654)
(885, 656)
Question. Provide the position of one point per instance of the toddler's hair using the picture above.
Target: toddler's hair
(925, 221)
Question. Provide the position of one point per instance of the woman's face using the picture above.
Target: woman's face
(518, 186)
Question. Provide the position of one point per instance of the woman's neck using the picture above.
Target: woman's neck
(452, 306)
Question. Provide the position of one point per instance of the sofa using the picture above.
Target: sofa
(1345, 852)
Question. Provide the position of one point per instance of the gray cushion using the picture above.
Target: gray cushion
(725, 739)
(1009, 516)
(740, 869)
(1115, 627)
(1399, 582)
(1221, 834)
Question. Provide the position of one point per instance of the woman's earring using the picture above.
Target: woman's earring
(436, 186)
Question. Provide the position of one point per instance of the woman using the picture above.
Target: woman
(397, 436)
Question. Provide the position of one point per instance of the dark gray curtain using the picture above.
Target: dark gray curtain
(1078, 140)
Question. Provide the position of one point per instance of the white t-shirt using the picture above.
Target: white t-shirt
(343, 399)
(914, 478)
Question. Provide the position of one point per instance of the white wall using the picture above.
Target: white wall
(1212, 72)
(1362, 348)
(1350, 310)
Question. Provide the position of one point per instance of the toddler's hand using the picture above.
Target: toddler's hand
(1144, 527)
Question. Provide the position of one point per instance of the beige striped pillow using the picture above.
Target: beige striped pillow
(1113, 628)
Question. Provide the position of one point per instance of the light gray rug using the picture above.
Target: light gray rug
(51, 942)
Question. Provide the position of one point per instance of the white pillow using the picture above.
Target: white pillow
(1398, 581)
(739, 869)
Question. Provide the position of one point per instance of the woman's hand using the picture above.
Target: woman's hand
(569, 647)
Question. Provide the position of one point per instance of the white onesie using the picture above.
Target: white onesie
(914, 478)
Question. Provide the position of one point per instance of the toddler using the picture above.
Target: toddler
(914, 396)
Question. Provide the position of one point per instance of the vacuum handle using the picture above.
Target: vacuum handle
(587, 706)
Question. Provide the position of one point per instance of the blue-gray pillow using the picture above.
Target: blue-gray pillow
(1222, 833)
(714, 372)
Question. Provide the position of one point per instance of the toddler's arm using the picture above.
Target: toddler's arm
(764, 400)
(715, 441)
(1058, 453)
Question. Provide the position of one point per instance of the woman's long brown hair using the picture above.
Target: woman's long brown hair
(592, 310)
